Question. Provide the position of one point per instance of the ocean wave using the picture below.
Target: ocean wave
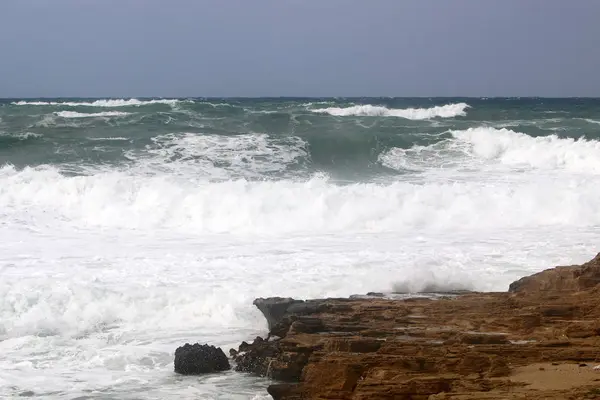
(488, 147)
(591, 121)
(74, 114)
(127, 201)
(100, 103)
(446, 111)
(21, 135)
(219, 156)
(115, 138)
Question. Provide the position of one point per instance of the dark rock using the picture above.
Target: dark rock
(256, 357)
(200, 359)
(284, 391)
(306, 307)
(274, 308)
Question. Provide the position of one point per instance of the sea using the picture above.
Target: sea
(129, 227)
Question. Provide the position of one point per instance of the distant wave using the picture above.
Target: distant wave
(21, 135)
(74, 114)
(117, 138)
(446, 111)
(591, 121)
(99, 103)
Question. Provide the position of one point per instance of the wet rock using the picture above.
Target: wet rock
(274, 308)
(200, 359)
(256, 357)
(287, 391)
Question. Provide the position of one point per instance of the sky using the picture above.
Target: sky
(250, 48)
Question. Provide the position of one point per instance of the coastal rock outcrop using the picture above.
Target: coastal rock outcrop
(541, 340)
(200, 359)
(560, 279)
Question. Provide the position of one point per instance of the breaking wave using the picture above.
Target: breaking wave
(219, 156)
(21, 135)
(486, 147)
(446, 111)
(100, 103)
(125, 201)
(74, 114)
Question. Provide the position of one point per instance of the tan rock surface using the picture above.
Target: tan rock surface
(540, 341)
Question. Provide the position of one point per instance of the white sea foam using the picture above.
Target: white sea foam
(486, 147)
(104, 275)
(74, 114)
(100, 103)
(446, 111)
(123, 201)
(591, 121)
(22, 135)
(218, 156)
(116, 138)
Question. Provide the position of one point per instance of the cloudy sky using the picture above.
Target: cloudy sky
(117, 48)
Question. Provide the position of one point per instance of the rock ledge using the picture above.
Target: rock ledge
(540, 340)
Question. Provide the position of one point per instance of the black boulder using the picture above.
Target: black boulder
(200, 359)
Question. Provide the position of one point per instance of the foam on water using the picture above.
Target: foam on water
(117, 139)
(107, 268)
(486, 147)
(446, 111)
(120, 200)
(591, 121)
(220, 157)
(21, 135)
(99, 103)
(74, 114)
(105, 275)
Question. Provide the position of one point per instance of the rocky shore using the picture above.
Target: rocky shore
(539, 340)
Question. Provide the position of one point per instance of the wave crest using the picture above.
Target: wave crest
(220, 157)
(446, 111)
(74, 114)
(486, 147)
(100, 103)
(125, 201)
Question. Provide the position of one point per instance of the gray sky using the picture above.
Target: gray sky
(299, 48)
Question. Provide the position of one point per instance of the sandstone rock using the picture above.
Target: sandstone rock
(483, 338)
(200, 359)
(498, 368)
(560, 279)
(467, 347)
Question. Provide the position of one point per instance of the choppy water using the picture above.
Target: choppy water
(131, 226)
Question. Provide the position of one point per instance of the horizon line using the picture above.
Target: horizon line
(299, 97)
